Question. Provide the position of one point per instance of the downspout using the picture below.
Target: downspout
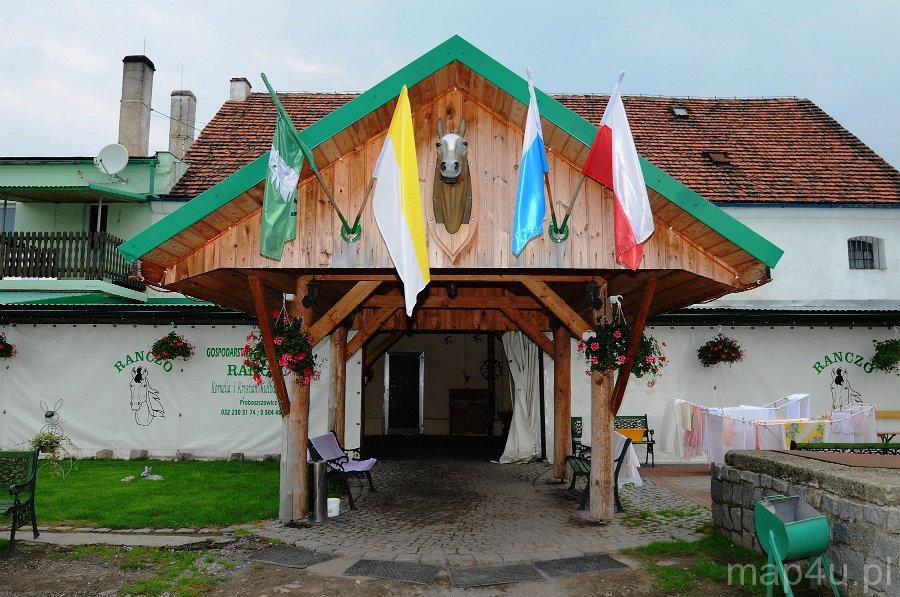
(151, 187)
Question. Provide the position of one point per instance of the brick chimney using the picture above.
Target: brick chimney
(181, 125)
(134, 114)
(240, 89)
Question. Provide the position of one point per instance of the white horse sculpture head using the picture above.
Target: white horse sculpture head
(452, 149)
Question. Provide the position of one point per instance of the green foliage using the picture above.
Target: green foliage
(172, 346)
(292, 349)
(194, 494)
(713, 553)
(60, 451)
(887, 356)
(173, 572)
(605, 351)
(720, 349)
(7, 350)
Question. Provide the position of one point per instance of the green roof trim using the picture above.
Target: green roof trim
(454, 49)
(92, 298)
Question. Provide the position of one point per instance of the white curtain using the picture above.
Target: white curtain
(524, 379)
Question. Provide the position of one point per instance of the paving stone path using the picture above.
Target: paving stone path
(463, 512)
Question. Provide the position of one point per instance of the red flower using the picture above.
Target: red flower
(595, 346)
(278, 340)
(620, 359)
(617, 334)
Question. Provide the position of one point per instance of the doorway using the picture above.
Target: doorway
(404, 392)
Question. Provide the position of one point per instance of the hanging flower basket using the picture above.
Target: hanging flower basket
(720, 349)
(292, 349)
(887, 356)
(605, 351)
(172, 346)
(7, 350)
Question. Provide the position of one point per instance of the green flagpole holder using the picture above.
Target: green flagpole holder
(558, 233)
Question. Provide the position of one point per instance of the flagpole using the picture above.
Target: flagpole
(307, 152)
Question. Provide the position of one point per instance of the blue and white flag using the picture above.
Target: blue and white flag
(531, 206)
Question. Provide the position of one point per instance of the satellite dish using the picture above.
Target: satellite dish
(112, 159)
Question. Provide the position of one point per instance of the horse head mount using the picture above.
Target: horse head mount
(452, 149)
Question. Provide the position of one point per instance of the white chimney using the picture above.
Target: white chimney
(134, 114)
(181, 124)
(240, 89)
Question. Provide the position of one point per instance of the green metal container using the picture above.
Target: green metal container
(789, 529)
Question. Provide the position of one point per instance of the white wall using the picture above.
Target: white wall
(815, 264)
(779, 361)
(211, 408)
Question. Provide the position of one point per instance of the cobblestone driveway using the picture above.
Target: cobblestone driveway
(463, 512)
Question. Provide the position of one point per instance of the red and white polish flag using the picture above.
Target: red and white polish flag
(613, 162)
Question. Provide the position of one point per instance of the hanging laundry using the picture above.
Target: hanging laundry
(805, 432)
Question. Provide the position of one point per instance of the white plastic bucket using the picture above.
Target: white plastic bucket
(334, 507)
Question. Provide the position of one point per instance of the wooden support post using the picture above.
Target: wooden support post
(293, 455)
(562, 400)
(265, 331)
(637, 330)
(601, 492)
(492, 388)
(337, 400)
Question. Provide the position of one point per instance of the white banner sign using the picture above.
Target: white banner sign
(109, 392)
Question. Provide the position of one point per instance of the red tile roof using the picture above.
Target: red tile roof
(780, 150)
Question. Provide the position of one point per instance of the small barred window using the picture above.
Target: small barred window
(866, 252)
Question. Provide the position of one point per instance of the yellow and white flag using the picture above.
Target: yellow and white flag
(398, 203)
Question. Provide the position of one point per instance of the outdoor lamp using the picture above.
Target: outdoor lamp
(452, 290)
(593, 290)
(312, 295)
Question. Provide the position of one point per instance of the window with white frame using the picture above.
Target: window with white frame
(866, 252)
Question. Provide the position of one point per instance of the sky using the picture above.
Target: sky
(60, 62)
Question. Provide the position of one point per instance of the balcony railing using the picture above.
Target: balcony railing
(64, 255)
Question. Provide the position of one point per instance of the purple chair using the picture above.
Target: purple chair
(340, 465)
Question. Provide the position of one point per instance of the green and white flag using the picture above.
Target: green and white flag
(278, 224)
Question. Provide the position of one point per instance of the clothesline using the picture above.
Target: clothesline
(722, 411)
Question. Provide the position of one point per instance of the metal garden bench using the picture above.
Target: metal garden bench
(340, 465)
(18, 474)
(580, 464)
(635, 428)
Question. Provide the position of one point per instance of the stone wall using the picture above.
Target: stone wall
(862, 506)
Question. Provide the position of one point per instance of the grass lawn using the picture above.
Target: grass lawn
(192, 494)
(684, 563)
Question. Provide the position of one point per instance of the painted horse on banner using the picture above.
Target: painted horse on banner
(145, 400)
(451, 221)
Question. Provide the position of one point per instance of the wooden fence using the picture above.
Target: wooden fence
(71, 255)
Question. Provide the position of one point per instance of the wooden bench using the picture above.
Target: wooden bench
(867, 448)
(580, 463)
(635, 428)
(18, 474)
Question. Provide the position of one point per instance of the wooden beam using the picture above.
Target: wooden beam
(293, 455)
(637, 330)
(265, 330)
(562, 400)
(341, 309)
(375, 353)
(566, 314)
(337, 401)
(601, 491)
(457, 277)
(371, 327)
(460, 302)
(529, 329)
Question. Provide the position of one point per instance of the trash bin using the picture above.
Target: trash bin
(790, 529)
(319, 510)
